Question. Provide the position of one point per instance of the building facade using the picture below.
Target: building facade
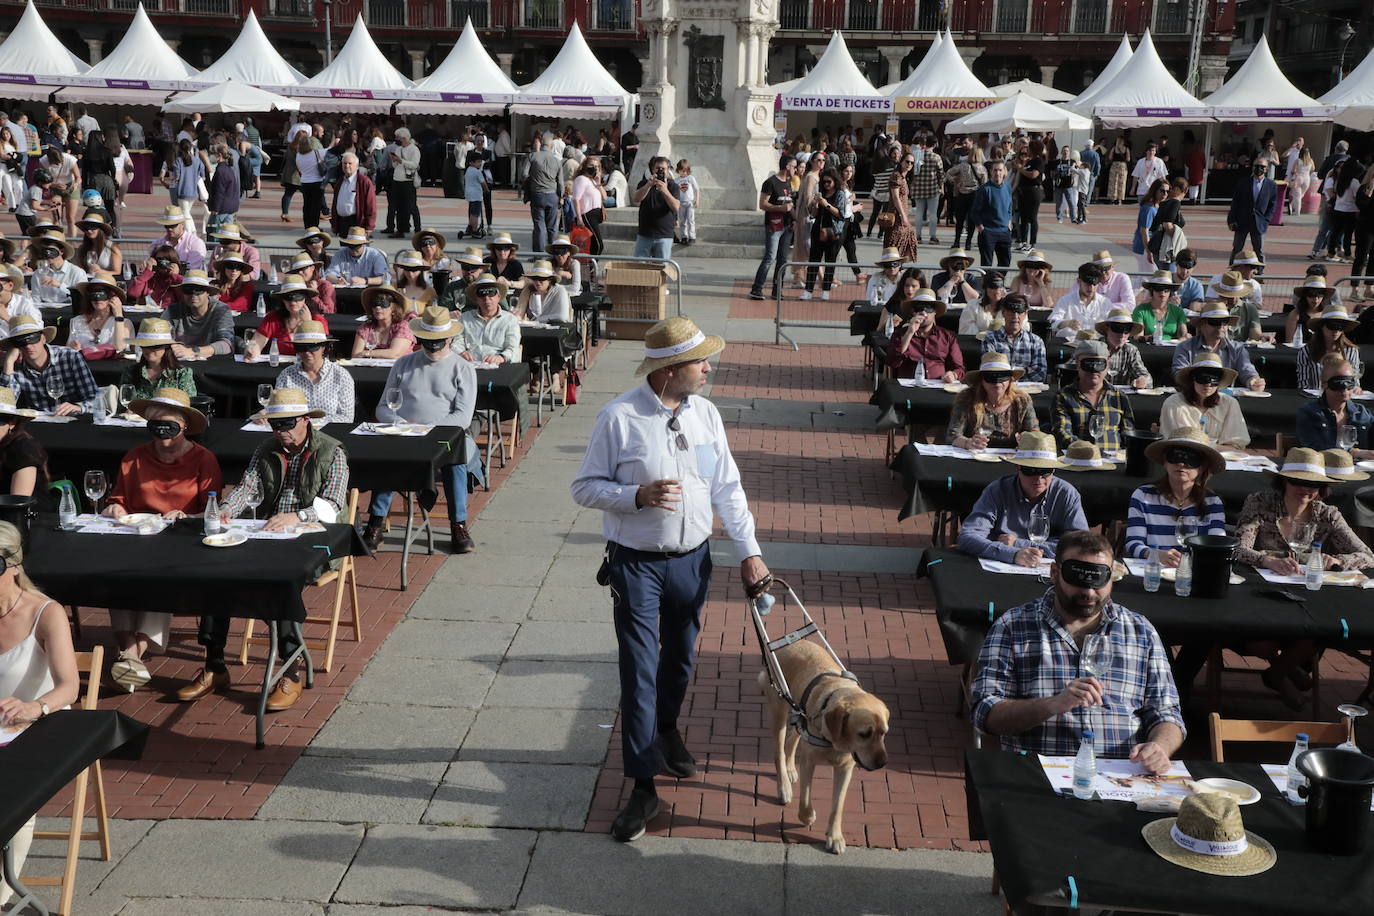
(1314, 41)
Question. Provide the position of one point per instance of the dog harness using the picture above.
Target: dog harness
(800, 721)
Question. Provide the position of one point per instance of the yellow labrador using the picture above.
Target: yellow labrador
(853, 720)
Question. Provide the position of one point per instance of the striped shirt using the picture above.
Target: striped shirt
(1310, 370)
(1151, 521)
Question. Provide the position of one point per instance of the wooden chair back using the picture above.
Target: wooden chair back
(1223, 730)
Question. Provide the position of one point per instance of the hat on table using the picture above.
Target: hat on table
(104, 281)
(1246, 257)
(1119, 316)
(560, 243)
(1102, 258)
(311, 332)
(1160, 279)
(1188, 437)
(502, 240)
(1314, 284)
(1184, 376)
(674, 341)
(315, 232)
(471, 257)
(1035, 450)
(1209, 836)
(956, 254)
(993, 361)
(1332, 312)
(8, 406)
(435, 323)
(1306, 465)
(407, 257)
(177, 400)
(372, 293)
(171, 215)
(1341, 466)
(357, 235)
(55, 237)
(194, 279)
(540, 269)
(23, 325)
(1215, 310)
(1084, 456)
(287, 402)
(423, 234)
(154, 332)
(889, 256)
(295, 283)
(1035, 258)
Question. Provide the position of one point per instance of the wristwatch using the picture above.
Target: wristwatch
(300, 514)
(44, 708)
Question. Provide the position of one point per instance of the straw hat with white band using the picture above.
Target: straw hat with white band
(436, 323)
(889, 256)
(177, 400)
(8, 406)
(560, 243)
(541, 268)
(1246, 257)
(423, 234)
(1035, 258)
(171, 215)
(926, 296)
(287, 402)
(1103, 258)
(234, 259)
(1036, 450)
(1231, 285)
(1160, 279)
(39, 242)
(154, 332)
(23, 325)
(43, 227)
(502, 240)
(1084, 456)
(1215, 310)
(12, 273)
(471, 257)
(1332, 312)
(302, 261)
(1204, 360)
(311, 332)
(993, 361)
(1209, 836)
(1119, 316)
(194, 279)
(1315, 285)
(371, 293)
(1341, 466)
(231, 232)
(315, 232)
(488, 282)
(409, 258)
(103, 281)
(295, 283)
(674, 341)
(94, 221)
(956, 254)
(1306, 465)
(1192, 438)
(357, 235)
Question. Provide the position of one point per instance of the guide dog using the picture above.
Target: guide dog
(838, 711)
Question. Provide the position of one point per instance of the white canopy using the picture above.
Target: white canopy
(575, 84)
(1033, 89)
(835, 84)
(1021, 110)
(942, 84)
(467, 82)
(140, 70)
(360, 78)
(231, 96)
(1356, 94)
(253, 60)
(1144, 94)
(1083, 102)
(1260, 92)
(32, 60)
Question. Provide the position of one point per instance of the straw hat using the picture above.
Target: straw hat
(1035, 258)
(889, 256)
(956, 254)
(502, 240)
(1036, 450)
(1119, 316)
(177, 400)
(1246, 256)
(427, 233)
(1232, 285)
(407, 257)
(540, 269)
(487, 281)
(371, 294)
(233, 259)
(103, 281)
(42, 227)
(1209, 836)
(286, 402)
(93, 220)
(436, 323)
(311, 332)
(39, 242)
(993, 361)
(926, 295)
(14, 274)
(1160, 279)
(1306, 465)
(1315, 285)
(1084, 456)
(154, 332)
(675, 341)
(471, 257)
(560, 243)
(231, 232)
(194, 279)
(1184, 377)
(1341, 466)
(295, 283)
(171, 215)
(22, 325)
(315, 232)
(1102, 258)
(10, 408)
(1332, 312)
(357, 235)
(1215, 310)
(1188, 437)
(302, 261)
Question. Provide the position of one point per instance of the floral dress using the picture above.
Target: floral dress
(901, 236)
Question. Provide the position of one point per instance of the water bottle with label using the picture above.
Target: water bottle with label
(1154, 572)
(1183, 576)
(1084, 768)
(920, 374)
(99, 414)
(1159, 333)
(1296, 780)
(213, 523)
(271, 274)
(1312, 577)
(261, 309)
(273, 354)
(66, 509)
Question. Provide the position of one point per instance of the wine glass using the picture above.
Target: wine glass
(1299, 539)
(254, 500)
(1095, 428)
(394, 398)
(247, 339)
(1096, 660)
(1184, 528)
(1351, 713)
(53, 385)
(1039, 529)
(126, 396)
(1345, 436)
(984, 431)
(95, 486)
(264, 393)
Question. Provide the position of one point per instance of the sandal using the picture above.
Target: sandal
(129, 672)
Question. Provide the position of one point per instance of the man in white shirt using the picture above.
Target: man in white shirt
(84, 121)
(1148, 169)
(302, 126)
(659, 467)
(1082, 307)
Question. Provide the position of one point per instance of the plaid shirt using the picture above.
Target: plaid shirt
(334, 491)
(333, 393)
(1072, 413)
(67, 367)
(929, 176)
(1029, 655)
(1027, 352)
(1126, 365)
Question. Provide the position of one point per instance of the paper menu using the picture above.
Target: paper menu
(997, 566)
(1119, 780)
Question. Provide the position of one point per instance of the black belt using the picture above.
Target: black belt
(656, 554)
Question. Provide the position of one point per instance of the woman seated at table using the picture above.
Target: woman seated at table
(1242, 300)
(991, 412)
(386, 333)
(233, 239)
(912, 281)
(409, 270)
(1310, 299)
(159, 278)
(1294, 511)
(429, 245)
(99, 319)
(294, 303)
(984, 314)
(882, 284)
(567, 269)
(236, 290)
(315, 242)
(95, 254)
(1199, 402)
(311, 270)
(1157, 308)
(1328, 337)
(1180, 494)
(542, 299)
(1125, 365)
(23, 460)
(14, 301)
(38, 673)
(919, 341)
(326, 384)
(1032, 280)
(502, 262)
(1320, 420)
(172, 477)
(157, 365)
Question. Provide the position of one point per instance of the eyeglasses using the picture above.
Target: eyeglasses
(1342, 382)
(1184, 457)
(1207, 378)
(679, 439)
(282, 424)
(1037, 472)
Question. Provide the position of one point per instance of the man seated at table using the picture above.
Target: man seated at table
(1115, 285)
(1320, 420)
(1210, 336)
(1088, 408)
(918, 340)
(1190, 290)
(1033, 692)
(1125, 365)
(438, 388)
(998, 525)
(54, 275)
(13, 299)
(952, 283)
(326, 384)
(180, 233)
(301, 476)
(1243, 299)
(203, 326)
(1081, 307)
(157, 280)
(52, 379)
(490, 333)
(1024, 348)
(470, 266)
(356, 263)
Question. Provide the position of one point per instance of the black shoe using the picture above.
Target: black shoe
(374, 533)
(460, 541)
(677, 760)
(638, 811)
(757, 296)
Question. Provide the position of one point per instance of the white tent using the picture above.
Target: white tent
(33, 61)
(1259, 91)
(835, 84)
(1082, 104)
(917, 72)
(252, 59)
(1033, 89)
(1144, 94)
(1021, 110)
(1356, 94)
(467, 82)
(360, 78)
(942, 85)
(231, 96)
(139, 71)
(574, 85)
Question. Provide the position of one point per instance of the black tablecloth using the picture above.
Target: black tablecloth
(52, 751)
(1040, 839)
(175, 573)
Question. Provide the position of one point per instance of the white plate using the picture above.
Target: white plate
(1247, 393)
(1366, 465)
(133, 520)
(225, 539)
(984, 456)
(1242, 792)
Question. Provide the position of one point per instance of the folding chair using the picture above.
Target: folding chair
(343, 577)
(1222, 730)
(91, 664)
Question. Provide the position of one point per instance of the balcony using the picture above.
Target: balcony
(1090, 17)
(862, 16)
(195, 8)
(460, 11)
(1171, 17)
(612, 16)
(290, 9)
(1013, 16)
(542, 14)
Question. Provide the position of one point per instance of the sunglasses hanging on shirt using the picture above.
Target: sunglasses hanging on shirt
(679, 439)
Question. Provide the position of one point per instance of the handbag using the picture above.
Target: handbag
(887, 219)
(581, 236)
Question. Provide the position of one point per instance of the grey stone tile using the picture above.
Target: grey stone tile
(882, 881)
(555, 685)
(256, 860)
(49, 857)
(438, 866)
(559, 639)
(449, 639)
(201, 906)
(583, 543)
(574, 572)
(484, 602)
(505, 559)
(424, 682)
(347, 790)
(397, 733)
(560, 736)
(540, 796)
(585, 603)
(513, 504)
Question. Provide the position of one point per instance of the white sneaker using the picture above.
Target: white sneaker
(129, 672)
(805, 294)
(825, 294)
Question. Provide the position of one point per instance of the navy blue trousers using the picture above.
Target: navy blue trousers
(658, 605)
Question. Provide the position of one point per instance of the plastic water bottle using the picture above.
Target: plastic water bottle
(1296, 780)
(1297, 340)
(262, 306)
(537, 305)
(920, 375)
(98, 410)
(213, 523)
(66, 509)
(128, 272)
(1183, 576)
(1153, 572)
(1159, 334)
(1312, 579)
(271, 273)
(1084, 768)
(273, 354)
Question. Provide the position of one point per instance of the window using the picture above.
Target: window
(863, 15)
(1012, 15)
(460, 11)
(1090, 16)
(615, 15)
(543, 14)
(792, 14)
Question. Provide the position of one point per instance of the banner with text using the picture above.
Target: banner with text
(835, 103)
(922, 105)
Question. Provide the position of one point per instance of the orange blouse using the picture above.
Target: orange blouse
(147, 484)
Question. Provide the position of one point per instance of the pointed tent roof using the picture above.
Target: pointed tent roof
(359, 79)
(231, 96)
(140, 70)
(1033, 89)
(468, 81)
(575, 79)
(1356, 93)
(942, 84)
(32, 50)
(1260, 92)
(1144, 94)
(924, 65)
(1020, 110)
(835, 84)
(1120, 59)
(253, 60)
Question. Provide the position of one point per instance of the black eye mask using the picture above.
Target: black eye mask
(1081, 574)
(1342, 382)
(164, 429)
(1093, 364)
(433, 346)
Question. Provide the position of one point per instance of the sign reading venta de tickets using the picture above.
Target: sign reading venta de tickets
(924, 105)
(835, 103)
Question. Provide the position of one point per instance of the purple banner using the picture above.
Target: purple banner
(1158, 113)
(126, 84)
(350, 94)
(17, 78)
(573, 100)
(460, 97)
(1278, 112)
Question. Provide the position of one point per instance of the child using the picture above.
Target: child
(475, 190)
(690, 195)
(1083, 183)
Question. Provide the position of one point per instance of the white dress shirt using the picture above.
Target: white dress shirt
(632, 446)
(1072, 308)
(346, 203)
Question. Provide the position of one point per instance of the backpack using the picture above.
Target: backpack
(245, 173)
